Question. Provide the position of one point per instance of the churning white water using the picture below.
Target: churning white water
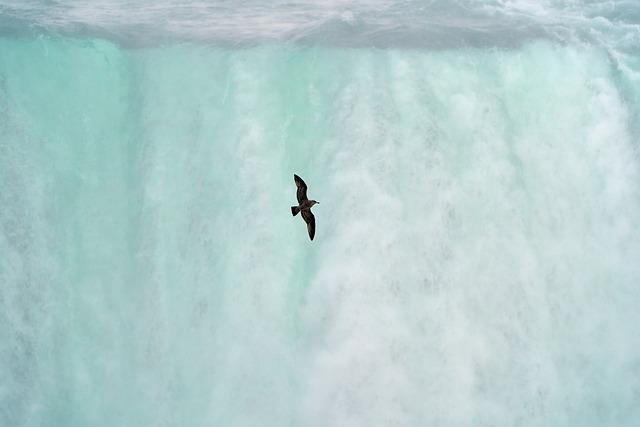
(477, 253)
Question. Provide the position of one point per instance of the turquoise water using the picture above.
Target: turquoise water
(476, 259)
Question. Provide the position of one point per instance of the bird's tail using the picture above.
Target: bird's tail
(295, 210)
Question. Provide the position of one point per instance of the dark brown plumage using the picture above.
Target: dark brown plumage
(304, 206)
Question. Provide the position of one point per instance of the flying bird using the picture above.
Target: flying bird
(304, 206)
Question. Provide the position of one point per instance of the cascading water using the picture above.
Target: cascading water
(477, 253)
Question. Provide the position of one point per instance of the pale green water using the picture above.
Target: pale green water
(476, 260)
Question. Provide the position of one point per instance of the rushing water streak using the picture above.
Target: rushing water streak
(476, 256)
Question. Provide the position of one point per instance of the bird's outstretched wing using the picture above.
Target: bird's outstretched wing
(311, 222)
(302, 189)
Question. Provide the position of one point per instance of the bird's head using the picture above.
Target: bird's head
(314, 202)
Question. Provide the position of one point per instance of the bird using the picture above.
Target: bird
(304, 206)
